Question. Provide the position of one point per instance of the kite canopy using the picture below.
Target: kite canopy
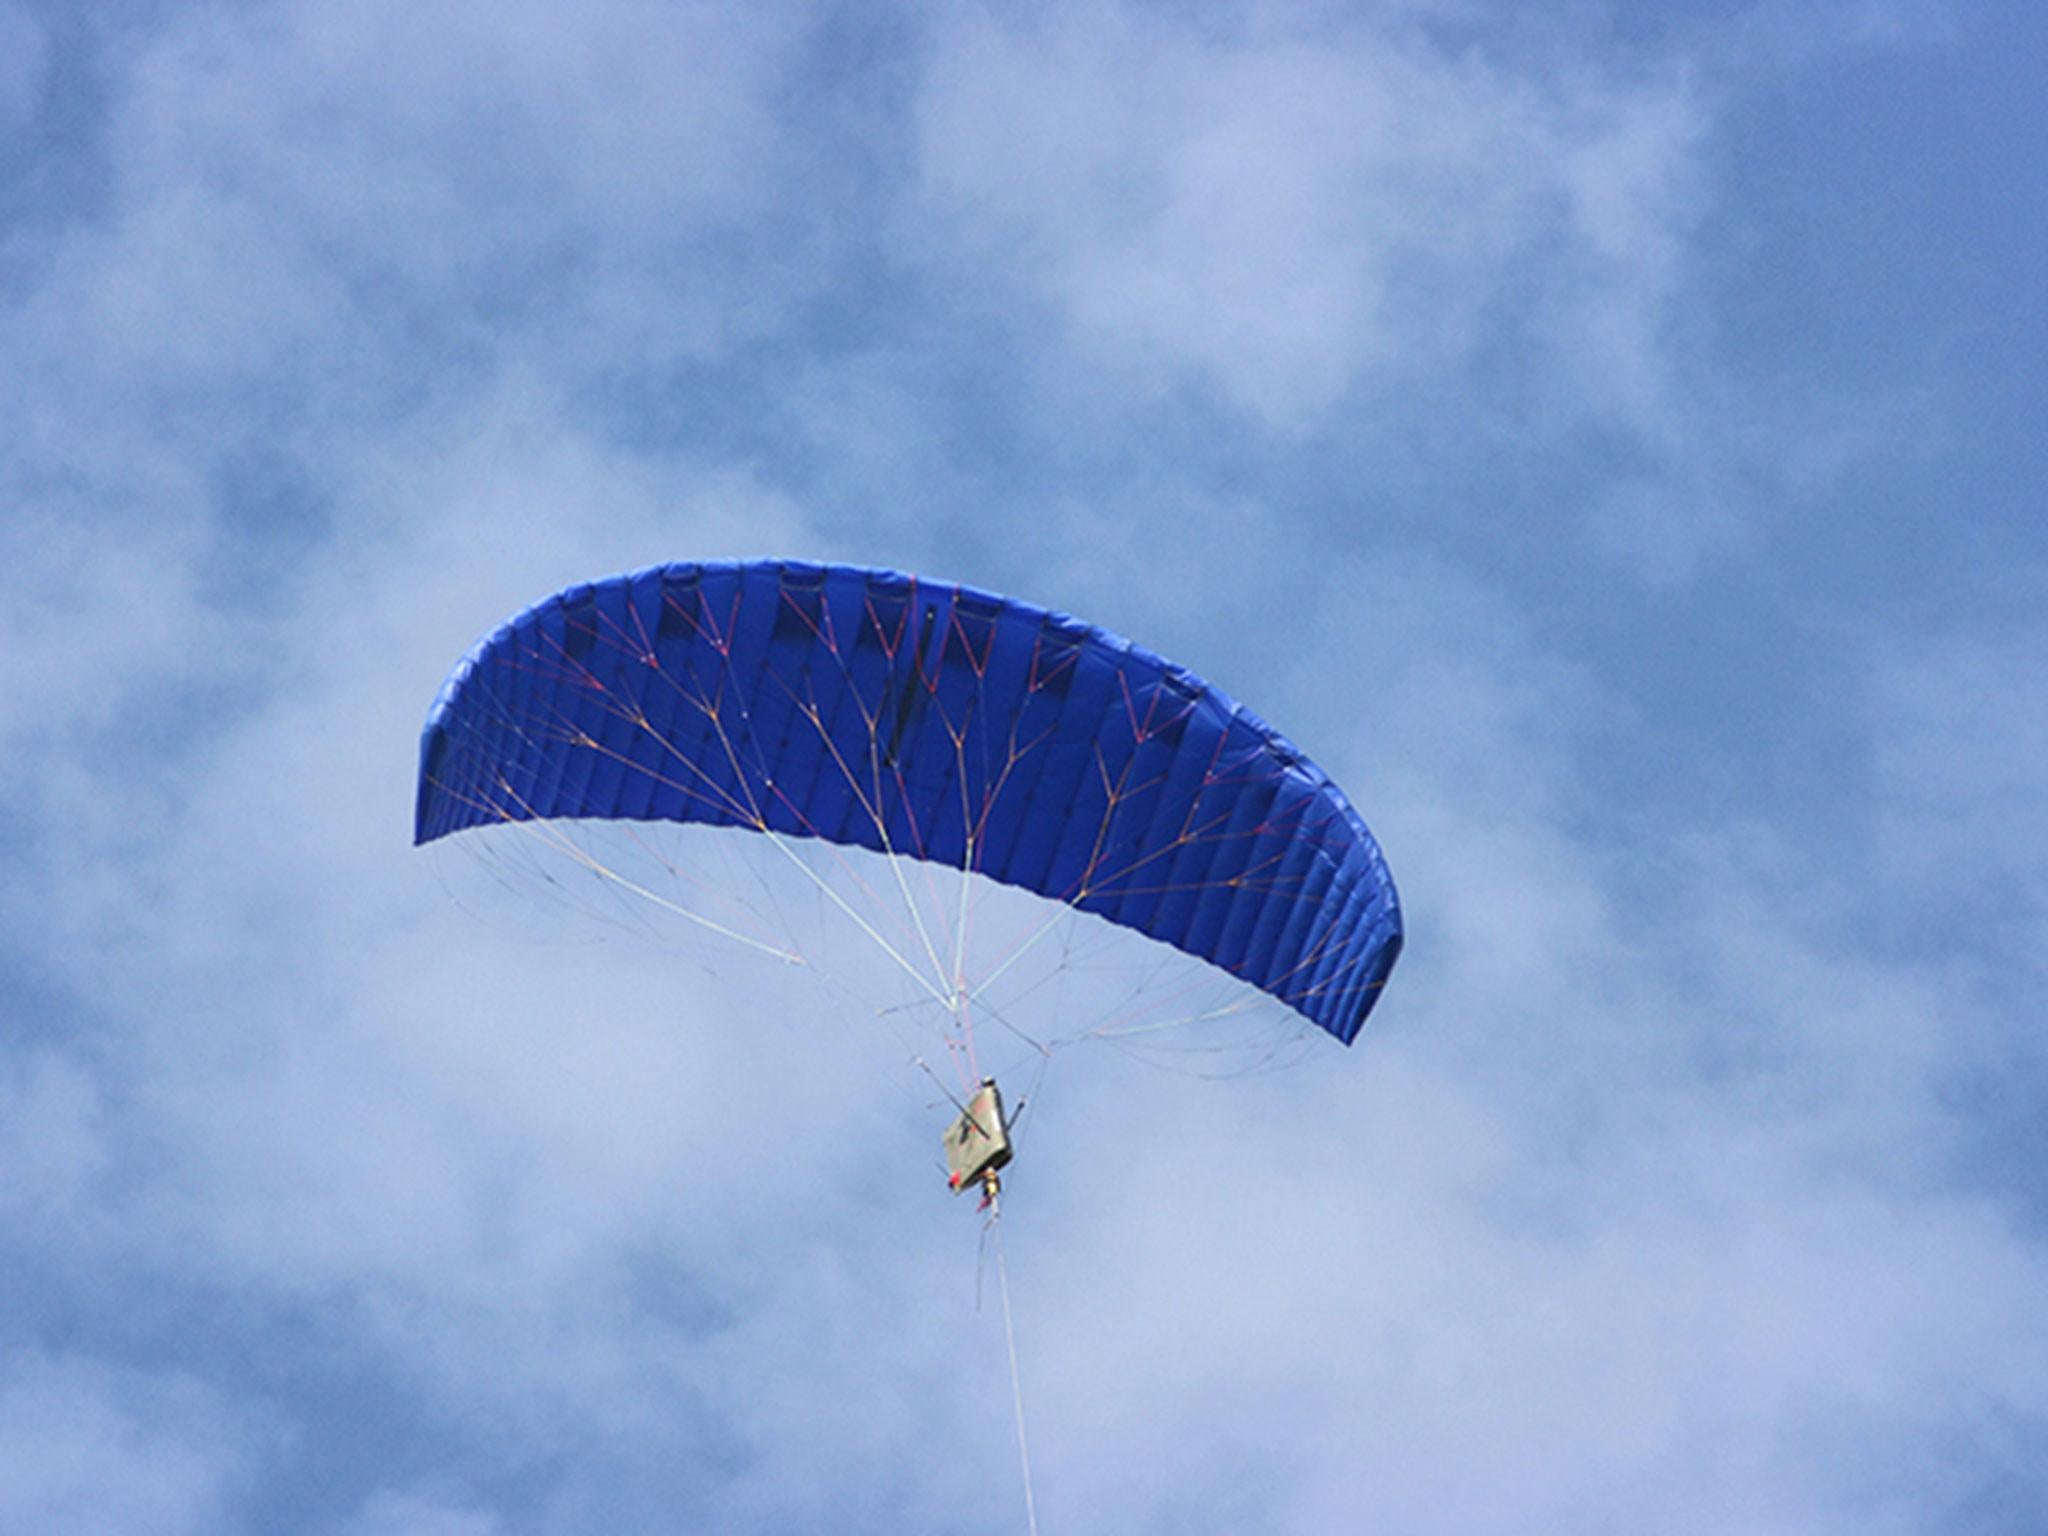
(931, 722)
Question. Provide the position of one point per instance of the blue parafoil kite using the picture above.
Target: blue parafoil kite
(926, 722)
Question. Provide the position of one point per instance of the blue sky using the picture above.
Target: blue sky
(1607, 439)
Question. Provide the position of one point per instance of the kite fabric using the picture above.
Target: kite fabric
(929, 721)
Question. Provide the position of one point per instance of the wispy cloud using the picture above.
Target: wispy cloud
(1373, 364)
(1285, 217)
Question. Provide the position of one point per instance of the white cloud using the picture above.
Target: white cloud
(1611, 1208)
(1278, 219)
(96, 612)
(390, 1514)
(91, 1449)
(1643, 1205)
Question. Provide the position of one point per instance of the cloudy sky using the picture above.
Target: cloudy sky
(1607, 437)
